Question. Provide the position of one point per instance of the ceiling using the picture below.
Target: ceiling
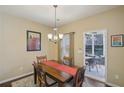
(45, 13)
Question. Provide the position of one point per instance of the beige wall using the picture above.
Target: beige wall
(113, 21)
(14, 59)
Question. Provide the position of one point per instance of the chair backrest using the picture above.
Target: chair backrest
(41, 59)
(67, 61)
(41, 76)
(79, 78)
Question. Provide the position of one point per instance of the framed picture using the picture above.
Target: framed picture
(117, 40)
(33, 41)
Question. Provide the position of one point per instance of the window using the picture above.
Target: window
(65, 46)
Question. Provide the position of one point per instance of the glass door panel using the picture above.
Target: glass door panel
(95, 54)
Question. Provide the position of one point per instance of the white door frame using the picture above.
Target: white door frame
(105, 51)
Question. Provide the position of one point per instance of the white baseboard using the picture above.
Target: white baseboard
(3, 81)
(112, 85)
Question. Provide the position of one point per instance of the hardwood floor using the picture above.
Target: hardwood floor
(8, 84)
(94, 83)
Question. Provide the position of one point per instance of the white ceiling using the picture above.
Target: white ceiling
(45, 13)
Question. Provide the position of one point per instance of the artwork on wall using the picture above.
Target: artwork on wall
(117, 40)
(33, 41)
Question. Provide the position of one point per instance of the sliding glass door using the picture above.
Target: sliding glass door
(95, 54)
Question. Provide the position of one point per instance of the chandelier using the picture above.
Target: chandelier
(55, 36)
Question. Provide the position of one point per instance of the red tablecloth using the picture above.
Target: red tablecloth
(67, 69)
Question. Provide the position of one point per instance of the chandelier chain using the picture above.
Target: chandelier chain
(55, 16)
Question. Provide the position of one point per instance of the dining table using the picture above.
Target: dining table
(59, 72)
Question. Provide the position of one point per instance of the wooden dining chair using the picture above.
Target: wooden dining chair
(67, 61)
(78, 80)
(41, 59)
(40, 75)
(42, 78)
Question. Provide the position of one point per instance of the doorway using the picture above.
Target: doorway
(95, 54)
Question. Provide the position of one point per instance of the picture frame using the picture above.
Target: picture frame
(117, 40)
(33, 41)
